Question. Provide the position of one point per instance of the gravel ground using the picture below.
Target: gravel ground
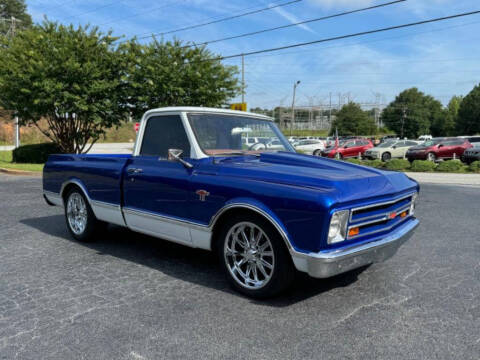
(129, 296)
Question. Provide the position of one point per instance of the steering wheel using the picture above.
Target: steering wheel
(257, 146)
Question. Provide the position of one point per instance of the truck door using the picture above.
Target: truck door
(156, 189)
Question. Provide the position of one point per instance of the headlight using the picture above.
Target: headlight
(412, 205)
(338, 226)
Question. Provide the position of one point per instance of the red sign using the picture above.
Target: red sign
(136, 126)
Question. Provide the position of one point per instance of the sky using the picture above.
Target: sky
(441, 59)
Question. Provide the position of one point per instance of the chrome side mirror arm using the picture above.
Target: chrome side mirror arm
(174, 155)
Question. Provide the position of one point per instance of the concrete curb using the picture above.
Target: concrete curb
(20, 172)
(445, 178)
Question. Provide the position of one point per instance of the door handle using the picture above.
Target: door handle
(134, 171)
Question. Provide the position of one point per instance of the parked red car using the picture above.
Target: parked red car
(348, 148)
(439, 148)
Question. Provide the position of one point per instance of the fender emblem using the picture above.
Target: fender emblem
(202, 194)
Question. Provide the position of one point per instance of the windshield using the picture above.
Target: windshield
(225, 134)
(431, 142)
(386, 144)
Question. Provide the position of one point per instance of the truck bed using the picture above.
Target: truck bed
(100, 174)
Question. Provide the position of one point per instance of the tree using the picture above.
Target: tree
(16, 9)
(446, 124)
(173, 74)
(352, 120)
(72, 77)
(468, 122)
(412, 113)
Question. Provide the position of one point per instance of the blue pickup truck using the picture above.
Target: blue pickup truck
(194, 179)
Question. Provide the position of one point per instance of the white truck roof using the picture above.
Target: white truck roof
(199, 109)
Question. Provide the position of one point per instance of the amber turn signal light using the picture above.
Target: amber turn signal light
(403, 214)
(354, 231)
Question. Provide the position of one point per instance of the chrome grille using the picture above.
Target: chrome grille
(379, 217)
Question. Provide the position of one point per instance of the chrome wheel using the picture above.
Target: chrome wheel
(249, 255)
(431, 157)
(77, 213)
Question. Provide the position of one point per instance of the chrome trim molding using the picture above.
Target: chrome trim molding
(331, 263)
(196, 228)
(168, 219)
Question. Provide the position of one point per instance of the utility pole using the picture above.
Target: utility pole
(295, 84)
(330, 111)
(404, 117)
(243, 79)
(11, 32)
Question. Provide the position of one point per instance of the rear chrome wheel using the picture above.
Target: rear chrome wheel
(249, 255)
(77, 213)
(431, 157)
(81, 221)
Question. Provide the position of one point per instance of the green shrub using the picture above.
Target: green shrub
(453, 166)
(397, 164)
(475, 166)
(422, 166)
(374, 163)
(355, 161)
(35, 154)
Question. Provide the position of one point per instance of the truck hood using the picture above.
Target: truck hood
(344, 181)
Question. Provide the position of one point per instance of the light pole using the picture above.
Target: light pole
(295, 84)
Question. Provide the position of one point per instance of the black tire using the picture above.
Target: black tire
(338, 156)
(93, 226)
(283, 271)
(386, 156)
(317, 152)
(431, 157)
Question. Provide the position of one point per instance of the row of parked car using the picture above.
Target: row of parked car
(466, 148)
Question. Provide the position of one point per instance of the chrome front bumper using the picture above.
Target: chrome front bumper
(331, 263)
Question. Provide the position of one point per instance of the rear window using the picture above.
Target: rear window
(163, 133)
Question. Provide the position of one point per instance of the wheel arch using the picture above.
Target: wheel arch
(74, 183)
(250, 207)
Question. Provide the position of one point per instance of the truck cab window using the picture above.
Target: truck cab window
(163, 133)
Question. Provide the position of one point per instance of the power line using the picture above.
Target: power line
(363, 33)
(221, 20)
(140, 13)
(296, 24)
(93, 10)
(366, 42)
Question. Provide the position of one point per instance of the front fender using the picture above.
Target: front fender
(261, 209)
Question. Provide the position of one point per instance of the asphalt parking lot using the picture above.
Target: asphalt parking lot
(129, 296)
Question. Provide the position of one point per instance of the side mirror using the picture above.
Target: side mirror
(440, 145)
(394, 146)
(175, 155)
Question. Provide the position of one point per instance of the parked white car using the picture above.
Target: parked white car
(425, 138)
(311, 147)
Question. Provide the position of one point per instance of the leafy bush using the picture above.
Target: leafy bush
(374, 163)
(35, 154)
(475, 166)
(422, 166)
(356, 161)
(451, 166)
(397, 164)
